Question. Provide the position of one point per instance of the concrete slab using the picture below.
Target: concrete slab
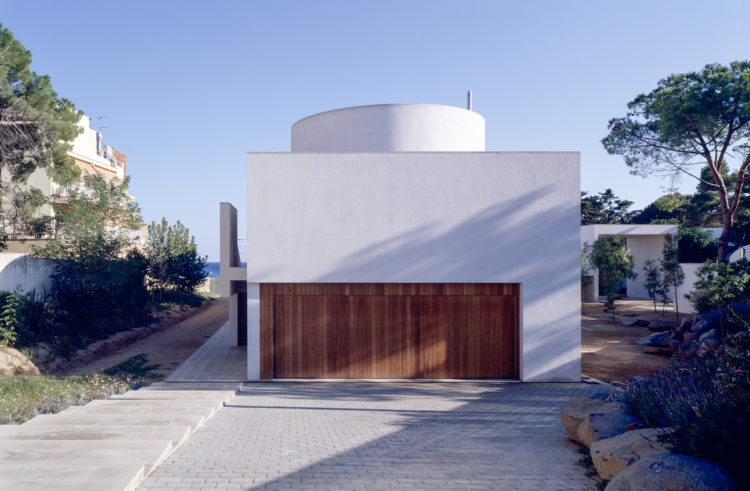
(27, 477)
(148, 453)
(113, 444)
(164, 418)
(176, 434)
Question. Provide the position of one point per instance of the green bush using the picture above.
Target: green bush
(706, 402)
(9, 320)
(99, 295)
(696, 245)
(173, 260)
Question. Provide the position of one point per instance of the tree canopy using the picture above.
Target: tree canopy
(604, 207)
(173, 260)
(36, 126)
(35, 123)
(692, 119)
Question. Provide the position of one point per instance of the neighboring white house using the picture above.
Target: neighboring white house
(390, 244)
(91, 157)
(643, 241)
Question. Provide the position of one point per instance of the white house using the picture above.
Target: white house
(643, 241)
(389, 244)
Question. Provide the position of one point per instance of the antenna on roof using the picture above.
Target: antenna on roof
(468, 100)
(99, 135)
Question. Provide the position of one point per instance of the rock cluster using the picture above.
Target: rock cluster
(693, 336)
(630, 456)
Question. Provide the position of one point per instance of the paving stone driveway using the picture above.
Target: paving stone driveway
(377, 436)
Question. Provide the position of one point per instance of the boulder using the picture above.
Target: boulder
(674, 344)
(662, 324)
(672, 472)
(700, 327)
(599, 425)
(685, 325)
(617, 395)
(708, 344)
(578, 407)
(659, 339)
(612, 455)
(13, 362)
(688, 347)
(711, 333)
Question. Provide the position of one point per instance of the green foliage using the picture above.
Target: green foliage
(98, 282)
(174, 263)
(604, 208)
(24, 396)
(695, 245)
(9, 317)
(697, 118)
(615, 264)
(35, 125)
(654, 284)
(719, 285)
(99, 293)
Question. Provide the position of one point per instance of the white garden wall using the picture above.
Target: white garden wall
(31, 274)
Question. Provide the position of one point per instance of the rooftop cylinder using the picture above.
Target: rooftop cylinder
(391, 128)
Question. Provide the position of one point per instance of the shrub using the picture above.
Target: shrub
(706, 402)
(173, 260)
(9, 317)
(696, 245)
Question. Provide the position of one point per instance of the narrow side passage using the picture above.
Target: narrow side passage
(389, 436)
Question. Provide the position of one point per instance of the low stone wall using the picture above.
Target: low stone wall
(31, 274)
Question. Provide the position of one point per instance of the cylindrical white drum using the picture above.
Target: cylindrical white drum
(391, 128)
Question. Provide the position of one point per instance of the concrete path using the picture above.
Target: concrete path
(107, 444)
(217, 360)
(382, 436)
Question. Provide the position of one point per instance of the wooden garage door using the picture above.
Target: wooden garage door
(376, 330)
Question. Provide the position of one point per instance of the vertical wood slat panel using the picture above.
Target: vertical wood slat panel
(389, 330)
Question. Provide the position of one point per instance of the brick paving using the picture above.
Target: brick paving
(382, 436)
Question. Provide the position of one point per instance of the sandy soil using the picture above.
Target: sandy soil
(607, 349)
(166, 349)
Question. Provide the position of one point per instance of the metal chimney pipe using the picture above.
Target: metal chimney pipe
(468, 100)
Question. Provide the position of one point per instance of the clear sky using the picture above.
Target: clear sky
(189, 87)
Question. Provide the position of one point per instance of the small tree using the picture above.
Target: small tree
(653, 284)
(99, 281)
(673, 275)
(174, 263)
(615, 264)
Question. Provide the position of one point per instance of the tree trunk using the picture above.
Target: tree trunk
(722, 255)
(676, 309)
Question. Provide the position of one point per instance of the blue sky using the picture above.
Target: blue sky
(189, 87)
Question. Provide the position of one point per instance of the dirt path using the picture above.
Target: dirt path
(159, 354)
(607, 349)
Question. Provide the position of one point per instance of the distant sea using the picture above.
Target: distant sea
(213, 269)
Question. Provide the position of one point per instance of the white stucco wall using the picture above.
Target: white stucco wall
(691, 276)
(643, 247)
(427, 217)
(391, 128)
(31, 274)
